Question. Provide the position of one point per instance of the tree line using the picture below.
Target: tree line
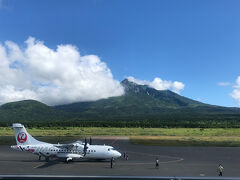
(125, 124)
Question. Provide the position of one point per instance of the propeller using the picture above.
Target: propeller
(85, 147)
(90, 142)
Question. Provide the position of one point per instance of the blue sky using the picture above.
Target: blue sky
(193, 42)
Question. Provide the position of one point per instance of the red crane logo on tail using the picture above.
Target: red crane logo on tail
(22, 137)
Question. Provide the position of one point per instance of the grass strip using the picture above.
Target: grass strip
(145, 136)
(214, 141)
(105, 131)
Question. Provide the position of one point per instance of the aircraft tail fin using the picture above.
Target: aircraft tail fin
(22, 136)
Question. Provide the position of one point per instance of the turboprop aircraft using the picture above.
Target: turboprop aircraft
(69, 152)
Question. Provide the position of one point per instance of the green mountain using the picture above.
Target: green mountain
(28, 110)
(141, 102)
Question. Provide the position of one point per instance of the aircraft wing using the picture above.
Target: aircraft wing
(70, 146)
(77, 144)
(64, 146)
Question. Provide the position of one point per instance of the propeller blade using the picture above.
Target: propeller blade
(85, 148)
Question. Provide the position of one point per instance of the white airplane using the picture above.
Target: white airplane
(69, 152)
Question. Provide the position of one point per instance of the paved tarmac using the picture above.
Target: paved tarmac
(174, 161)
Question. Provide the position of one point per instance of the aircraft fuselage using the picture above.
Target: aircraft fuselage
(50, 150)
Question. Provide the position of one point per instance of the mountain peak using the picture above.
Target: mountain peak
(126, 82)
(166, 98)
(130, 86)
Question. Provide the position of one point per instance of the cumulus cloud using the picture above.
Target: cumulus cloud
(51, 76)
(236, 91)
(160, 84)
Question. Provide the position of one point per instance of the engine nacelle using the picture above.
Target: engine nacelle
(69, 159)
(72, 156)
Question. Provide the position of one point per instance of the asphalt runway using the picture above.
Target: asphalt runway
(174, 161)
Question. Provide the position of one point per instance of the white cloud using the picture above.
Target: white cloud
(53, 76)
(160, 84)
(236, 91)
(10, 93)
(224, 84)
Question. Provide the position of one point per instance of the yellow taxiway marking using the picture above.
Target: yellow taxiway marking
(39, 165)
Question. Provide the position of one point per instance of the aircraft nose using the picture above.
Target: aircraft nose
(118, 154)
